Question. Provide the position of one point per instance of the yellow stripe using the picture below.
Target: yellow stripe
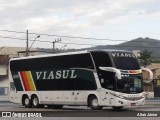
(30, 81)
(138, 71)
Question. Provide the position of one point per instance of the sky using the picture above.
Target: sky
(101, 19)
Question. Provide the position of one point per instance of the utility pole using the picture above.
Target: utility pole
(56, 40)
(27, 43)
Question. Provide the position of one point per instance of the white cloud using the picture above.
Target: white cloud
(74, 17)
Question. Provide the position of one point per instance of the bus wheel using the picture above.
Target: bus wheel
(117, 107)
(35, 102)
(26, 102)
(93, 103)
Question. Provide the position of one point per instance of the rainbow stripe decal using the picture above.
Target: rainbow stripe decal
(27, 81)
(131, 71)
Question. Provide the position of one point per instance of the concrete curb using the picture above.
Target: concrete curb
(153, 101)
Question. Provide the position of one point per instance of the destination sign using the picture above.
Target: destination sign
(122, 54)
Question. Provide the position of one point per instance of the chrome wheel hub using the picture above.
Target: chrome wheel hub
(95, 103)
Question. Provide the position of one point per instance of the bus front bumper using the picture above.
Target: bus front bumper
(124, 102)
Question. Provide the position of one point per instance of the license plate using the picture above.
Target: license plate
(133, 104)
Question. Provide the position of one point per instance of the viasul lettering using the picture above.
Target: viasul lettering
(59, 74)
(118, 54)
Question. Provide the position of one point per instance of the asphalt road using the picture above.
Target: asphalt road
(148, 110)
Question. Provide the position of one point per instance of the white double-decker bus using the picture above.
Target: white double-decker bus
(89, 78)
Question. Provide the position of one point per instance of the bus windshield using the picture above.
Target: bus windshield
(122, 60)
(125, 61)
(130, 84)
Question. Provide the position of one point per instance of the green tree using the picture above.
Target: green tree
(145, 58)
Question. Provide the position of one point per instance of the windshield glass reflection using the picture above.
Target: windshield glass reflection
(130, 84)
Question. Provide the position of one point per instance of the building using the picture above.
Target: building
(6, 53)
(4, 84)
(155, 67)
(32, 53)
(152, 86)
(148, 84)
(11, 52)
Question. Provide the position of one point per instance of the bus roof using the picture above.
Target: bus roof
(49, 55)
(108, 50)
(67, 53)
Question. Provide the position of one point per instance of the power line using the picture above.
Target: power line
(60, 42)
(74, 43)
(69, 37)
(78, 37)
(39, 40)
(23, 39)
(12, 31)
(63, 36)
(12, 38)
(105, 39)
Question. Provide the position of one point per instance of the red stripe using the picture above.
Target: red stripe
(132, 71)
(25, 80)
(24, 84)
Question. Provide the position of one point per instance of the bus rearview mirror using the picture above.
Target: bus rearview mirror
(111, 69)
(150, 73)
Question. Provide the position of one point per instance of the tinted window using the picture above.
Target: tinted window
(101, 59)
(50, 85)
(130, 84)
(107, 80)
(65, 84)
(125, 61)
(66, 61)
(56, 63)
(82, 84)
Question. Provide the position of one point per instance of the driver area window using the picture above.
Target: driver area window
(107, 79)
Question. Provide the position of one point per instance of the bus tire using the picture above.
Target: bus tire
(117, 107)
(93, 103)
(35, 102)
(26, 101)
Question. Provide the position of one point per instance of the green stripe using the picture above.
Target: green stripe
(17, 81)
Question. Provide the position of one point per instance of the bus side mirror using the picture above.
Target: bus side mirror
(111, 69)
(149, 71)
